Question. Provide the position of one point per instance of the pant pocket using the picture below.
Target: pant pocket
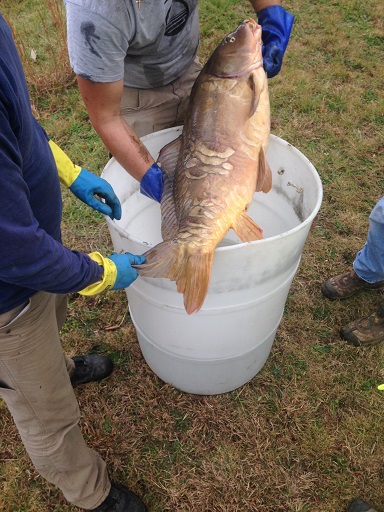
(6, 391)
(130, 100)
(9, 318)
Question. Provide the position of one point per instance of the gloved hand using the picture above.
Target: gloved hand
(151, 184)
(276, 24)
(87, 184)
(125, 273)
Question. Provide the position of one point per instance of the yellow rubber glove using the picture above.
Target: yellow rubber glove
(118, 272)
(67, 170)
(109, 275)
(85, 185)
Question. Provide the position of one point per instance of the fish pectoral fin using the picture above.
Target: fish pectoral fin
(247, 229)
(264, 175)
(256, 91)
(169, 155)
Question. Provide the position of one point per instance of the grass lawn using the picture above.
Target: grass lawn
(305, 435)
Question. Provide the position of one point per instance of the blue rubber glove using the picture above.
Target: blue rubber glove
(125, 273)
(87, 184)
(276, 23)
(151, 184)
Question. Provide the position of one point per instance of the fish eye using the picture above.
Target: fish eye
(230, 39)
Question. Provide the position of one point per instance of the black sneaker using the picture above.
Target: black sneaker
(91, 368)
(360, 506)
(121, 499)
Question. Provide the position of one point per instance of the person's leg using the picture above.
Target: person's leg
(36, 386)
(151, 110)
(367, 273)
(368, 267)
(369, 262)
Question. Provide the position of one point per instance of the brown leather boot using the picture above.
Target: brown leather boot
(365, 331)
(346, 285)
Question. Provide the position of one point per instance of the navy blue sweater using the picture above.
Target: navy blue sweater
(32, 257)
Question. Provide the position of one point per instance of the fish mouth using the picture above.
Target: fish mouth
(258, 62)
(253, 25)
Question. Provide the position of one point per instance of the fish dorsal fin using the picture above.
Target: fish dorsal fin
(264, 175)
(168, 158)
(169, 155)
(168, 211)
(247, 229)
(256, 91)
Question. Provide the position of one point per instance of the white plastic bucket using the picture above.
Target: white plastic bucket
(227, 342)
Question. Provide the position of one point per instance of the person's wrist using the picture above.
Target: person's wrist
(266, 3)
(262, 4)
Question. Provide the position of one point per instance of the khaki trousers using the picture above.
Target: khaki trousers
(149, 110)
(35, 384)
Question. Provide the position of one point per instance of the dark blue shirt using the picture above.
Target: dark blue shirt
(32, 257)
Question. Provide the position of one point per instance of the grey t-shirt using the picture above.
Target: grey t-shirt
(148, 43)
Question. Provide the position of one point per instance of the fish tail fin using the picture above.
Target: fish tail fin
(246, 229)
(190, 271)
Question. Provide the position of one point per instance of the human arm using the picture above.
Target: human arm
(87, 274)
(98, 59)
(32, 255)
(276, 24)
(102, 101)
(32, 258)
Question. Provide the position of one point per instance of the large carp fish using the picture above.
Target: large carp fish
(213, 169)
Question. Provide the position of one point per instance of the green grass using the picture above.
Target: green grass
(305, 434)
